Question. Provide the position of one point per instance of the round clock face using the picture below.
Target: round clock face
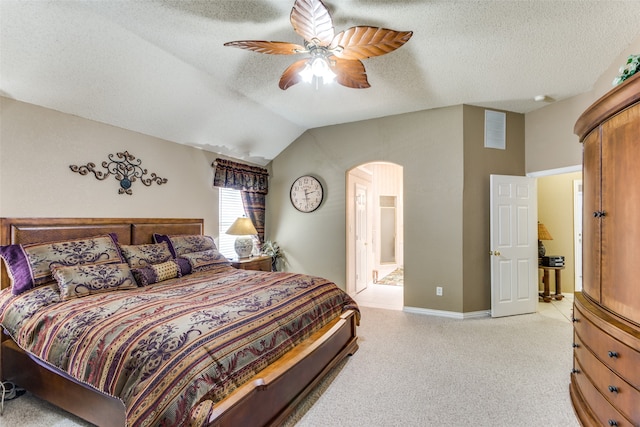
(306, 194)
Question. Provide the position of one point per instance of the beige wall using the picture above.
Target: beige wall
(479, 164)
(37, 145)
(439, 199)
(555, 211)
(428, 145)
(550, 141)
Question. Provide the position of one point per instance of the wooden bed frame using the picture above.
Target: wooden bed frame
(267, 399)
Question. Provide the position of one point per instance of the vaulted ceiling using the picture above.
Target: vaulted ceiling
(160, 68)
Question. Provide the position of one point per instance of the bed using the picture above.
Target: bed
(262, 393)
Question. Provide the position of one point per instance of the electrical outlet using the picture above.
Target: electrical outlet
(439, 291)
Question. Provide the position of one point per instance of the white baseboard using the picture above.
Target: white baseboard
(449, 314)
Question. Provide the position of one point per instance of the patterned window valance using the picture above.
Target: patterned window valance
(241, 177)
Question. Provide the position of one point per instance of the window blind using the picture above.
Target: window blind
(230, 206)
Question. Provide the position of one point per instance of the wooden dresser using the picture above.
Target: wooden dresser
(605, 381)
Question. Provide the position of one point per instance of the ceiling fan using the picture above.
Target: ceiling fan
(331, 56)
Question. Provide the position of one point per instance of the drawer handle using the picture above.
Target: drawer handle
(574, 320)
(575, 345)
(613, 423)
(613, 389)
(613, 354)
(575, 371)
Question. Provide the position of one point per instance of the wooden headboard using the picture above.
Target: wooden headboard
(130, 231)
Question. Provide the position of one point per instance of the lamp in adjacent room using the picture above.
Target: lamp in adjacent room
(244, 229)
(543, 234)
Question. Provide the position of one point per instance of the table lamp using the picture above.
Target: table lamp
(543, 234)
(244, 229)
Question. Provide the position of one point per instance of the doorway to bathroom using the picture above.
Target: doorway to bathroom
(375, 230)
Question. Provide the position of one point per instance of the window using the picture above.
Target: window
(230, 206)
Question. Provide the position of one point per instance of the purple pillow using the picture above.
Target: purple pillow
(18, 268)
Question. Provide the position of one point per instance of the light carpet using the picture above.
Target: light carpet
(416, 370)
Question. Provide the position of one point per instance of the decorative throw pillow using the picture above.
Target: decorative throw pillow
(31, 265)
(157, 272)
(206, 260)
(180, 244)
(82, 280)
(138, 256)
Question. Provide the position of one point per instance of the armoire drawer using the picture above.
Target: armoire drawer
(619, 357)
(600, 407)
(618, 392)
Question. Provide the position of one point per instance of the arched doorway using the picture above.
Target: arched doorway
(375, 234)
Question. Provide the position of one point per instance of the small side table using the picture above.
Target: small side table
(260, 263)
(545, 295)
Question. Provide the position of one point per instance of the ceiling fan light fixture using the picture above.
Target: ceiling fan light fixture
(332, 56)
(317, 68)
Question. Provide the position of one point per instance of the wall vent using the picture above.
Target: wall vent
(495, 129)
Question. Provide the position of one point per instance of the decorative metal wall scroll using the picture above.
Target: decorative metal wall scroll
(126, 170)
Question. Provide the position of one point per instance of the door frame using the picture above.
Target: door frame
(370, 175)
(562, 171)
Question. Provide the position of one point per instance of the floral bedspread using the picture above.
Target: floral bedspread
(165, 348)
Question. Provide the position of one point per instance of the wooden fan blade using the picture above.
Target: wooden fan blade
(311, 19)
(350, 73)
(365, 42)
(272, 48)
(291, 75)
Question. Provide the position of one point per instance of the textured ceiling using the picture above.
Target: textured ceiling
(160, 67)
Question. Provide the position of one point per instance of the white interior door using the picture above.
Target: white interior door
(577, 233)
(361, 237)
(514, 245)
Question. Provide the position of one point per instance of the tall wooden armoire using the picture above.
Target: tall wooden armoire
(605, 381)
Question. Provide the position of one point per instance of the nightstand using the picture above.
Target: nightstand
(260, 263)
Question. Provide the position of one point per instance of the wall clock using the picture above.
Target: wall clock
(306, 193)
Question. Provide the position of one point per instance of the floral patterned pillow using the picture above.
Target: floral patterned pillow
(138, 256)
(181, 244)
(31, 265)
(159, 272)
(206, 260)
(82, 280)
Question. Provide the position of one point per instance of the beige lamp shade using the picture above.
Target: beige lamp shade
(244, 229)
(543, 233)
